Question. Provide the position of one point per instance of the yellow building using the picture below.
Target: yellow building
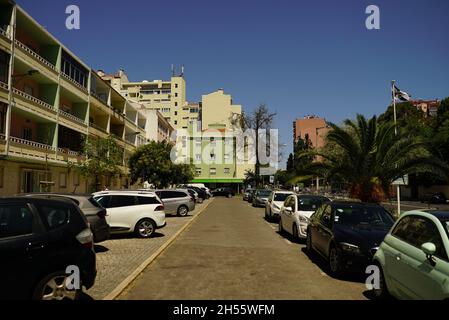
(167, 97)
(49, 102)
(218, 108)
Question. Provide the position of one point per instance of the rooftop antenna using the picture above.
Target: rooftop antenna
(173, 70)
(182, 71)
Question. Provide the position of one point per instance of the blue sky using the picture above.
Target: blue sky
(298, 57)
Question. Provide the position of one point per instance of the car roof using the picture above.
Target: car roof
(37, 199)
(85, 196)
(439, 214)
(354, 203)
(284, 191)
(126, 193)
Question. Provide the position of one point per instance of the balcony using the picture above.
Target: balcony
(98, 131)
(67, 155)
(4, 86)
(71, 117)
(36, 56)
(71, 121)
(75, 83)
(31, 149)
(32, 104)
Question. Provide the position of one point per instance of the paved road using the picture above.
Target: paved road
(118, 257)
(230, 252)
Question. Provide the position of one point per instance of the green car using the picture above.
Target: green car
(413, 258)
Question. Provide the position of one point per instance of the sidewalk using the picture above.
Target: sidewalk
(118, 257)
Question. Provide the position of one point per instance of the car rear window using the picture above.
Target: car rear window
(148, 200)
(94, 202)
(264, 193)
(54, 216)
(310, 203)
(281, 196)
(15, 221)
(363, 215)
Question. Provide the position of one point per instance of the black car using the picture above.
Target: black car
(43, 243)
(94, 212)
(436, 198)
(201, 192)
(251, 194)
(247, 194)
(347, 234)
(223, 192)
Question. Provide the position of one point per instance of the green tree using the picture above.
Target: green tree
(370, 157)
(103, 158)
(152, 163)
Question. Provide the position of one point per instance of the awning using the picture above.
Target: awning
(217, 181)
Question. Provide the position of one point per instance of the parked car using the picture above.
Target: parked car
(347, 234)
(223, 192)
(136, 212)
(195, 195)
(247, 194)
(275, 203)
(201, 186)
(260, 197)
(251, 195)
(414, 257)
(202, 194)
(296, 212)
(94, 212)
(177, 201)
(435, 198)
(39, 239)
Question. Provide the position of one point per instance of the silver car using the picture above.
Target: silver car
(177, 201)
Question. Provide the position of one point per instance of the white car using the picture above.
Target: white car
(132, 211)
(275, 202)
(296, 212)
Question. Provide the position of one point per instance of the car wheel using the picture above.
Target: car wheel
(53, 287)
(295, 233)
(309, 246)
(281, 227)
(183, 211)
(381, 293)
(229, 195)
(145, 228)
(335, 263)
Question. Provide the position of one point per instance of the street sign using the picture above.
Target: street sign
(403, 181)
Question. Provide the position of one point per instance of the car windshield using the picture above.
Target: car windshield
(264, 193)
(281, 196)
(359, 215)
(310, 203)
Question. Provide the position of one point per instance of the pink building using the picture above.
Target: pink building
(316, 128)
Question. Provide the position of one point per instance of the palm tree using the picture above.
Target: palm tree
(370, 156)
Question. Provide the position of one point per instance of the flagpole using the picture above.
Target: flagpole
(398, 187)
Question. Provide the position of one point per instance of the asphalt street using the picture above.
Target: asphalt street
(231, 252)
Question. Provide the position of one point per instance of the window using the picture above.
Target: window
(213, 171)
(63, 180)
(122, 201)
(416, 231)
(198, 157)
(28, 90)
(176, 86)
(176, 104)
(212, 157)
(176, 122)
(171, 194)
(4, 66)
(54, 216)
(176, 113)
(176, 94)
(326, 218)
(227, 170)
(76, 179)
(27, 134)
(15, 221)
(198, 171)
(148, 200)
(103, 201)
(2, 173)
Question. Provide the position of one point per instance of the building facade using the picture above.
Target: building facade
(50, 101)
(313, 127)
(167, 97)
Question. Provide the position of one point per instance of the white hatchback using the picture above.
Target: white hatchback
(275, 202)
(132, 211)
(296, 212)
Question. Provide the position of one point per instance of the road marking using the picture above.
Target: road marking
(125, 283)
(288, 241)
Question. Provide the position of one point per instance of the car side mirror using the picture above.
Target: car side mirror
(429, 249)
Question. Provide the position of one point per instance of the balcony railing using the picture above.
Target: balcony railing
(93, 125)
(33, 99)
(69, 152)
(4, 85)
(3, 33)
(77, 84)
(35, 55)
(71, 116)
(33, 144)
(95, 95)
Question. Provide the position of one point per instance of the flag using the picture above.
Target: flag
(401, 95)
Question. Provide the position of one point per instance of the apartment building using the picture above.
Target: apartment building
(50, 101)
(213, 143)
(313, 127)
(167, 97)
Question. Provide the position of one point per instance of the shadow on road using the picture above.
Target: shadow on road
(119, 236)
(100, 249)
(323, 265)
